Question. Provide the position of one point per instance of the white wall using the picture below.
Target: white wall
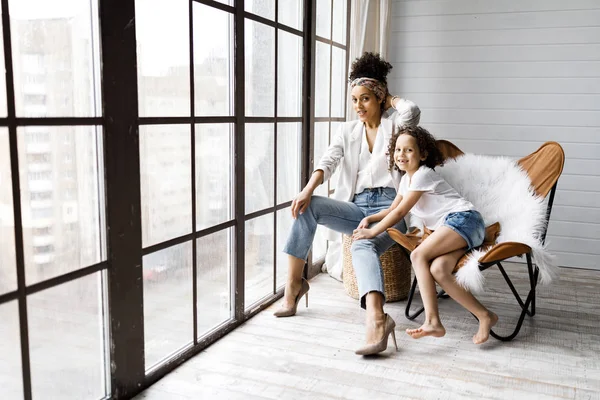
(503, 77)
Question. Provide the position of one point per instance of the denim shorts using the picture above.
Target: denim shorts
(469, 225)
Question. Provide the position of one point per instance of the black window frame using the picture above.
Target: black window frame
(120, 122)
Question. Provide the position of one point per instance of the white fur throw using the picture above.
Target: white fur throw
(500, 190)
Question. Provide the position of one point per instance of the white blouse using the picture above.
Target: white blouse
(373, 166)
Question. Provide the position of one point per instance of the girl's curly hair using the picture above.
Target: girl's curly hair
(426, 143)
(370, 65)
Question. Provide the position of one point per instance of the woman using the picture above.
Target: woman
(365, 187)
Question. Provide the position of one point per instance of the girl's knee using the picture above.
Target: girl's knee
(440, 272)
(416, 256)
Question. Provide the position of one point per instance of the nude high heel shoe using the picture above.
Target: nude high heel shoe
(380, 346)
(288, 312)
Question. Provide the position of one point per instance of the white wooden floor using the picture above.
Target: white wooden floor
(311, 355)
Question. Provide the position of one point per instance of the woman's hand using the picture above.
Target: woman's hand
(362, 234)
(364, 223)
(301, 202)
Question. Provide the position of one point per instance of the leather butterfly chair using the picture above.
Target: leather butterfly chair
(543, 167)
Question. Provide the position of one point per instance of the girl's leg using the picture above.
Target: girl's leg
(441, 269)
(442, 241)
(341, 216)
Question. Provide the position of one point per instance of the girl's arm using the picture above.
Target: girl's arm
(392, 218)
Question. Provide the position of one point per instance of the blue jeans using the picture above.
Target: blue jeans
(469, 225)
(344, 217)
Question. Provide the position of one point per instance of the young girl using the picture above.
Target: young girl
(457, 227)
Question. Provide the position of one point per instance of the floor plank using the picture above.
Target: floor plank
(311, 356)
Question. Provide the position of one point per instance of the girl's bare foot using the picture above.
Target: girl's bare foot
(427, 329)
(485, 324)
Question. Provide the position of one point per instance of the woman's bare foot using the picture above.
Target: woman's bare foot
(485, 324)
(427, 329)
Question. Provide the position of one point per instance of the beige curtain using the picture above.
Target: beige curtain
(369, 31)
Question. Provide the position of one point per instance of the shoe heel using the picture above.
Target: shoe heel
(288, 312)
(394, 339)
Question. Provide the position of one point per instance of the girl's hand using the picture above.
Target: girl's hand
(364, 224)
(300, 203)
(362, 234)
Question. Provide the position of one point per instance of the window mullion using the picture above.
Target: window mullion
(123, 209)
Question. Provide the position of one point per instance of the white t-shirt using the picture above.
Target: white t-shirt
(373, 166)
(439, 199)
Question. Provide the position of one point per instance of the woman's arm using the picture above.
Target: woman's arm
(392, 218)
(333, 155)
(302, 200)
(392, 101)
(407, 113)
(388, 101)
(323, 171)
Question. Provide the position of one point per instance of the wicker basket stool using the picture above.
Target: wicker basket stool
(396, 272)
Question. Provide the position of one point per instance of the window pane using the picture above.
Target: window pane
(55, 58)
(284, 225)
(11, 373)
(61, 199)
(291, 13)
(215, 262)
(8, 271)
(259, 166)
(324, 18)
(3, 111)
(321, 144)
(259, 259)
(264, 8)
(322, 80)
(66, 340)
(260, 69)
(339, 21)
(213, 69)
(163, 57)
(288, 160)
(338, 82)
(289, 75)
(166, 188)
(214, 174)
(168, 324)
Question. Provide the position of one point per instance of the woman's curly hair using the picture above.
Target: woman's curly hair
(426, 143)
(370, 65)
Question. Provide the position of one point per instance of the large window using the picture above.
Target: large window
(149, 154)
(53, 253)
